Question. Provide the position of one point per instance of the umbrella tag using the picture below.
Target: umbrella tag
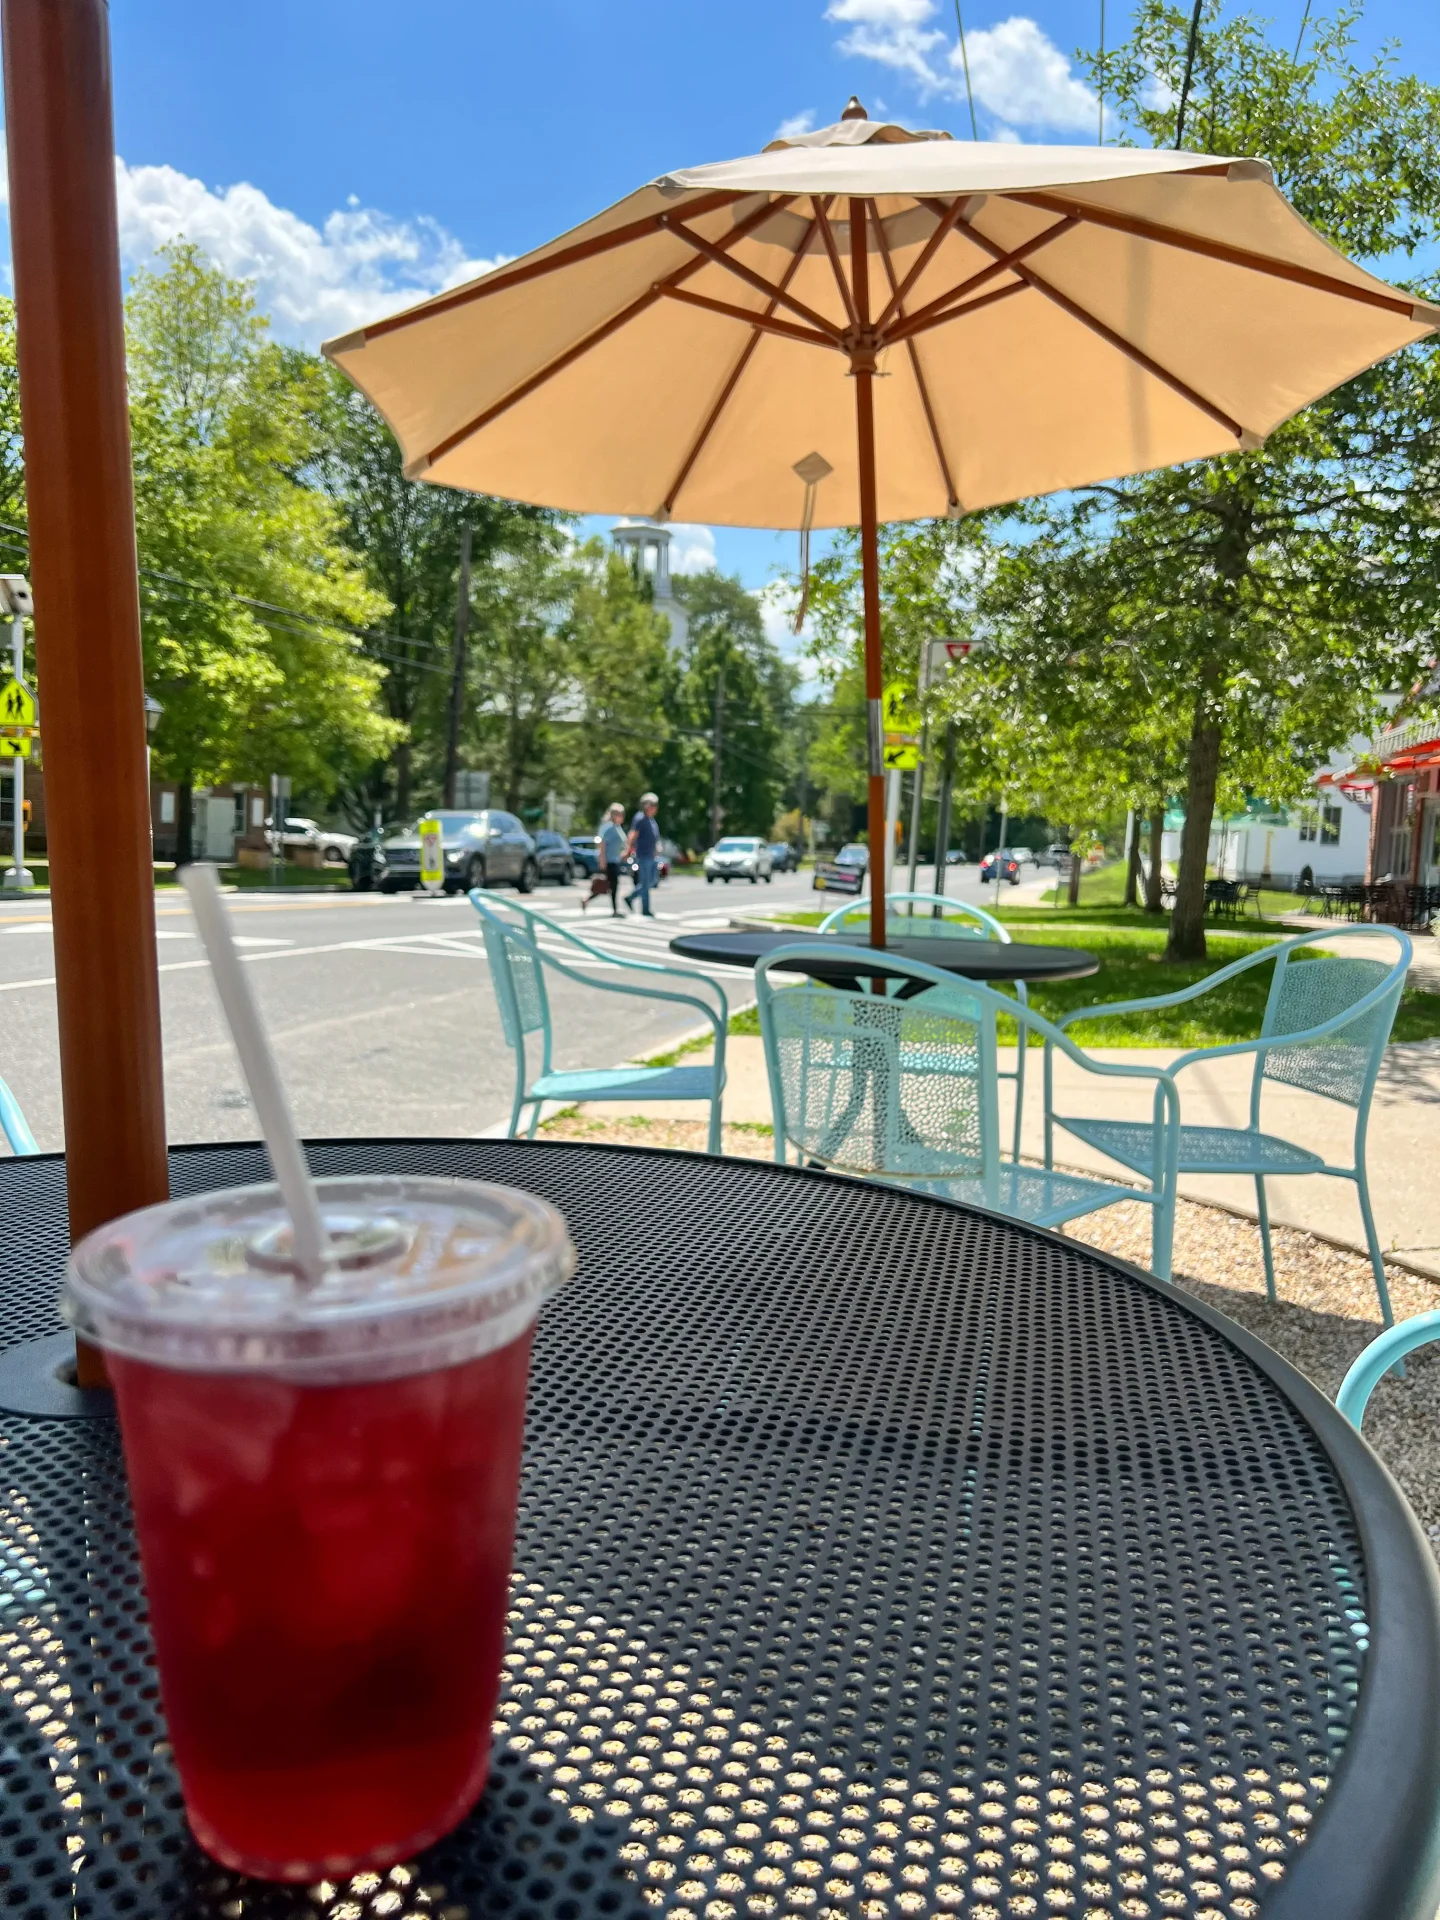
(812, 470)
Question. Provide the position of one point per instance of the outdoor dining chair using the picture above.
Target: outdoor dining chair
(14, 1124)
(521, 943)
(905, 1090)
(946, 920)
(1386, 1351)
(1324, 1031)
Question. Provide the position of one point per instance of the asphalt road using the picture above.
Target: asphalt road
(379, 1006)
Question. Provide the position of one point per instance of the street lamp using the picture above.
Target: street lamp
(153, 711)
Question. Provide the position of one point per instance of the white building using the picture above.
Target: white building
(1329, 834)
(646, 545)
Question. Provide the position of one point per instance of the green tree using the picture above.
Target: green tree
(407, 537)
(727, 643)
(249, 600)
(1276, 594)
(626, 679)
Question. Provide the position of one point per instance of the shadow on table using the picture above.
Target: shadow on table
(93, 1819)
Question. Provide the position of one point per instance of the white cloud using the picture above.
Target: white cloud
(798, 123)
(313, 281)
(1020, 77)
(692, 548)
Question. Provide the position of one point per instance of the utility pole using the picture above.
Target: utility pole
(717, 812)
(457, 674)
(942, 820)
(15, 598)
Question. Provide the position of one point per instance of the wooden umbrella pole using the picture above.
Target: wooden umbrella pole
(862, 368)
(71, 346)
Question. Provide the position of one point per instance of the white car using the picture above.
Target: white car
(739, 857)
(298, 832)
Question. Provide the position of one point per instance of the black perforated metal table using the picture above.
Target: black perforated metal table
(984, 960)
(876, 1557)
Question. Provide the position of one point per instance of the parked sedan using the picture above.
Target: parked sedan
(784, 858)
(739, 857)
(584, 851)
(297, 832)
(480, 849)
(554, 858)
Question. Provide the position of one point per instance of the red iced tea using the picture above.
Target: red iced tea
(327, 1569)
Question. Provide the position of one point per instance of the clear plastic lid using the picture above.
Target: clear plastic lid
(421, 1274)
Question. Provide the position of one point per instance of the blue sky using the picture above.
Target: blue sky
(350, 156)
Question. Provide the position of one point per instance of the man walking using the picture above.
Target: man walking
(644, 849)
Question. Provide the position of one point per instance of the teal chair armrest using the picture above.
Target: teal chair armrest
(1378, 1358)
(14, 1124)
(1113, 1008)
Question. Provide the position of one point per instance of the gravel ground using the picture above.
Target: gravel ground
(1325, 1313)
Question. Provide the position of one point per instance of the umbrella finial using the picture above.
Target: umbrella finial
(854, 110)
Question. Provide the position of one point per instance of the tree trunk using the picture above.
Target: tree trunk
(402, 781)
(1072, 892)
(1187, 922)
(184, 823)
(1153, 901)
(1132, 863)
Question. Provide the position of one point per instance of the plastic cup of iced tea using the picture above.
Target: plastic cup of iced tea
(324, 1479)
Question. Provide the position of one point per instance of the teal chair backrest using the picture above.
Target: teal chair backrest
(1308, 993)
(957, 921)
(519, 982)
(870, 1085)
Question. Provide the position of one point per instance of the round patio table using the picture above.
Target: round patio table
(876, 1556)
(984, 960)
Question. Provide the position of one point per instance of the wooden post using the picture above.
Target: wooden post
(71, 346)
(862, 367)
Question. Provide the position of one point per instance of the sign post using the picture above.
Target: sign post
(940, 657)
(432, 856)
(17, 717)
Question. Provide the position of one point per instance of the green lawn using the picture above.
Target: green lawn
(1130, 948)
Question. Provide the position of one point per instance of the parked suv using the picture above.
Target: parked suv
(480, 849)
(1004, 864)
(739, 857)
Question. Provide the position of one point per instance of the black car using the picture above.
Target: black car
(784, 858)
(362, 862)
(583, 852)
(554, 858)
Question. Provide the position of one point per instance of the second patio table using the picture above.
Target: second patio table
(988, 961)
(878, 1558)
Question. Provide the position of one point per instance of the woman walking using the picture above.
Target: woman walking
(612, 843)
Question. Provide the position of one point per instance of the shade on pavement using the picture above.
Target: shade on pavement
(947, 324)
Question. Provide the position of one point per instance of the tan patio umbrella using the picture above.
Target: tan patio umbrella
(945, 324)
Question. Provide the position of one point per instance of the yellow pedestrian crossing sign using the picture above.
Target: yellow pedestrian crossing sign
(901, 756)
(899, 713)
(17, 704)
(15, 746)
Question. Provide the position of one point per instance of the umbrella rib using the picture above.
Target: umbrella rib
(516, 276)
(908, 332)
(927, 254)
(952, 498)
(820, 204)
(582, 346)
(1113, 339)
(756, 280)
(787, 329)
(732, 381)
(1219, 250)
(927, 315)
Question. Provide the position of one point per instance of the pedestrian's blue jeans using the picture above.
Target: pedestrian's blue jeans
(645, 878)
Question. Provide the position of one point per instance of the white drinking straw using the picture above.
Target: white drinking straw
(257, 1063)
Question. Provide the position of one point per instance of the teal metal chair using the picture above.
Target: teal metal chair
(14, 1125)
(905, 1090)
(1385, 1351)
(1324, 1030)
(934, 916)
(521, 943)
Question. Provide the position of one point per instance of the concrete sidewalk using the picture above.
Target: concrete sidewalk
(1404, 1128)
